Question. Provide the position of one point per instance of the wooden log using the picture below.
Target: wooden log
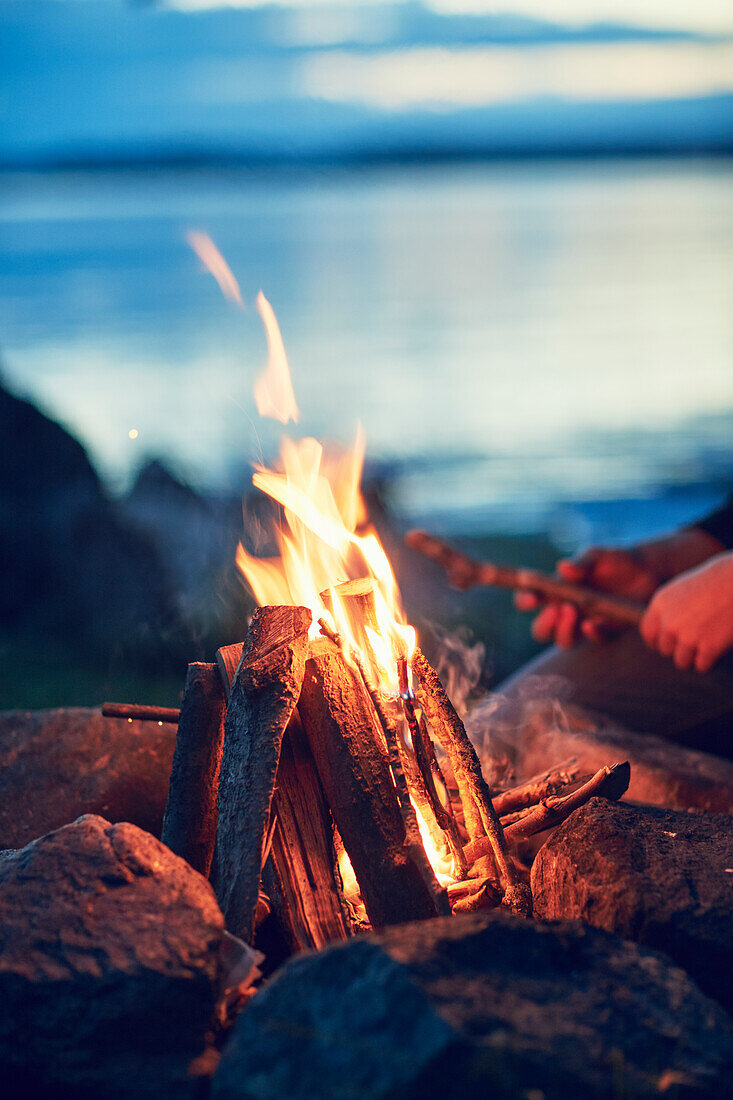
(300, 876)
(140, 712)
(264, 693)
(189, 822)
(357, 597)
(481, 817)
(228, 658)
(463, 572)
(341, 728)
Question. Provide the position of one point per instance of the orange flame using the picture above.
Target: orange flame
(274, 395)
(323, 542)
(215, 264)
(320, 549)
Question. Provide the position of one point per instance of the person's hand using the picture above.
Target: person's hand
(620, 572)
(691, 618)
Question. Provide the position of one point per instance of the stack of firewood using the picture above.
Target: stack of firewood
(290, 766)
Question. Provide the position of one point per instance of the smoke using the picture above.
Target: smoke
(529, 727)
(459, 664)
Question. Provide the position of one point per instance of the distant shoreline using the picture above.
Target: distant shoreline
(407, 157)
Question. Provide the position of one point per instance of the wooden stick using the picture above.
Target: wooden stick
(538, 787)
(610, 782)
(140, 712)
(263, 697)
(463, 572)
(189, 822)
(473, 894)
(341, 726)
(481, 817)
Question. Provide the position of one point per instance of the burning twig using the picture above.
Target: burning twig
(464, 572)
(140, 712)
(481, 817)
(610, 782)
(420, 742)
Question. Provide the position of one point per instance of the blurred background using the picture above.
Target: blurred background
(499, 236)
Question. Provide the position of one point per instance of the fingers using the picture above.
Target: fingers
(558, 622)
(566, 631)
(674, 640)
(526, 601)
(684, 655)
(580, 568)
(543, 628)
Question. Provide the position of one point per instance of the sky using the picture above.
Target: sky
(714, 16)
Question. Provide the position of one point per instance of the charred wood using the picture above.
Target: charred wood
(189, 822)
(481, 817)
(263, 696)
(299, 875)
(340, 724)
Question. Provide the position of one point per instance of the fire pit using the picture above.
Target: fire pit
(320, 767)
(324, 783)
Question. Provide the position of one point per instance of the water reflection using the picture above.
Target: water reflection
(566, 328)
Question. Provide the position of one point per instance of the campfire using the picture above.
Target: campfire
(321, 771)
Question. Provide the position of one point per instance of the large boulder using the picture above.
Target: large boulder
(70, 564)
(659, 877)
(479, 1005)
(58, 764)
(108, 966)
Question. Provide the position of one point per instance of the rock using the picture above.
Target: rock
(478, 1005)
(70, 563)
(659, 877)
(109, 966)
(58, 764)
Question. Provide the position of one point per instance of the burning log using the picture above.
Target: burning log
(610, 782)
(340, 725)
(299, 874)
(263, 697)
(463, 572)
(299, 869)
(189, 822)
(481, 817)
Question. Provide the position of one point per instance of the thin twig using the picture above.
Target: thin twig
(141, 713)
(553, 781)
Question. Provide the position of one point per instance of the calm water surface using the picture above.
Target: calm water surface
(510, 337)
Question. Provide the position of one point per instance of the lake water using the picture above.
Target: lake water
(514, 338)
